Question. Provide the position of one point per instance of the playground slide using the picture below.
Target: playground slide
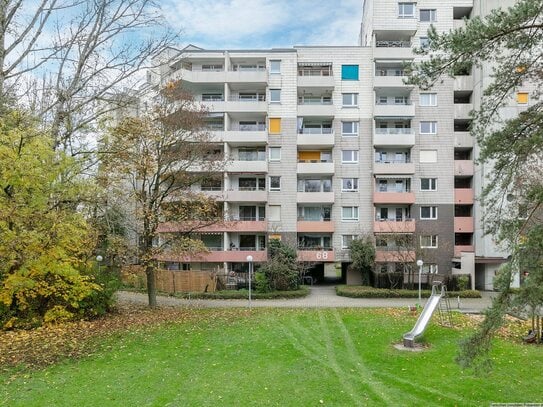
(424, 318)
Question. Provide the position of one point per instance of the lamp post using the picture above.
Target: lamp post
(420, 263)
(99, 260)
(250, 260)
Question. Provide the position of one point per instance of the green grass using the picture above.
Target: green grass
(279, 358)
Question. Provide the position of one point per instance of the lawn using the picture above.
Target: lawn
(281, 358)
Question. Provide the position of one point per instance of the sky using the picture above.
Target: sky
(250, 24)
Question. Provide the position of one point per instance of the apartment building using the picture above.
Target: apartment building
(328, 143)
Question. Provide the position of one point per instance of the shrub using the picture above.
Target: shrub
(302, 291)
(370, 292)
(262, 285)
(101, 301)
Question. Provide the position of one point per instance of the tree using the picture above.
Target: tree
(281, 272)
(510, 41)
(363, 257)
(155, 158)
(69, 59)
(45, 243)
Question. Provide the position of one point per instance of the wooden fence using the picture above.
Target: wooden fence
(171, 281)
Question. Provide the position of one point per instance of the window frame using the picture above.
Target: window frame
(270, 149)
(343, 245)
(432, 15)
(432, 99)
(272, 71)
(433, 127)
(354, 98)
(353, 152)
(354, 125)
(272, 92)
(353, 188)
(430, 182)
(401, 13)
(347, 70)
(433, 213)
(434, 241)
(354, 217)
(274, 189)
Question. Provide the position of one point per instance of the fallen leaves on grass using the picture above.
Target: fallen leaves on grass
(46, 345)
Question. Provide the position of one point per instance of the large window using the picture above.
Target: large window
(349, 156)
(349, 72)
(428, 15)
(350, 99)
(275, 183)
(252, 154)
(428, 241)
(275, 95)
(428, 99)
(428, 127)
(349, 213)
(349, 185)
(406, 10)
(428, 184)
(428, 212)
(275, 66)
(252, 184)
(314, 213)
(349, 129)
(315, 185)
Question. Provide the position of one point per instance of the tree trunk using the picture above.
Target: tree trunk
(151, 285)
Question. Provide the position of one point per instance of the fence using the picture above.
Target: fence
(170, 281)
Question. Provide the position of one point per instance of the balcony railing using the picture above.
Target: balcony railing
(314, 161)
(214, 248)
(246, 248)
(211, 98)
(249, 127)
(215, 127)
(246, 218)
(402, 103)
(403, 190)
(314, 248)
(393, 44)
(314, 131)
(248, 69)
(255, 98)
(392, 130)
(389, 72)
(249, 189)
(326, 71)
(404, 161)
(313, 102)
(313, 219)
(403, 219)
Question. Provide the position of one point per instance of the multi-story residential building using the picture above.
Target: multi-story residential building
(328, 143)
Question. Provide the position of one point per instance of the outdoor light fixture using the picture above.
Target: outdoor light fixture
(420, 264)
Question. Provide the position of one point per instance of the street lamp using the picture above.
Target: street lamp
(250, 260)
(99, 260)
(420, 263)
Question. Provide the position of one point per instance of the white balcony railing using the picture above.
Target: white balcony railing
(249, 127)
(393, 44)
(255, 98)
(392, 130)
(314, 131)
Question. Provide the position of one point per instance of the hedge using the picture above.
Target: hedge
(355, 291)
(244, 294)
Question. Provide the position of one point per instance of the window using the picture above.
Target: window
(424, 42)
(349, 156)
(275, 66)
(315, 185)
(252, 154)
(349, 185)
(428, 127)
(275, 125)
(429, 268)
(349, 72)
(428, 242)
(428, 156)
(350, 99)
(349, 213)
(428, 15)
(346, 241)
(275, 183)
(252, 184)
(275, 153)
(349, 129)
(275, 95)
(428, 184)
(274, 213)
(428, 99)
(428, 212)
(406, 10)
(522, 98)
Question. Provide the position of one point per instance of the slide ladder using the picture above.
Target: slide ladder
(424, 318)
(445, 316)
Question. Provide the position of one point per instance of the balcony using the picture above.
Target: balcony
(394, 110)
(315, 167)
(311, 139)
(242, 137)
(316, 255)
(459, 249)
(463, 82)
(464, 196)
(315, 226)
(400, 49)
(310, 109)
(464, 224)
(392, 137)
(463, 168)
(394, 198)
(259, 75)
(201, 76)
(219, 256)
(236, 104)
(223, 226)
(463, 139)
(462, 110)
(246, 196)
(390, 81)
(315, 197)
(394, 255)
(394, 226)
(392, 167)
(247, 166)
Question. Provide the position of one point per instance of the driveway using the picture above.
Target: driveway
(319, 297)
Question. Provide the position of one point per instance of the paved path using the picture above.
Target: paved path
(319, 297)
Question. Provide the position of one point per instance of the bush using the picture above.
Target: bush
(302, 291)
(101, 301)
(370, 292)
(281, 271)
(262, 285)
